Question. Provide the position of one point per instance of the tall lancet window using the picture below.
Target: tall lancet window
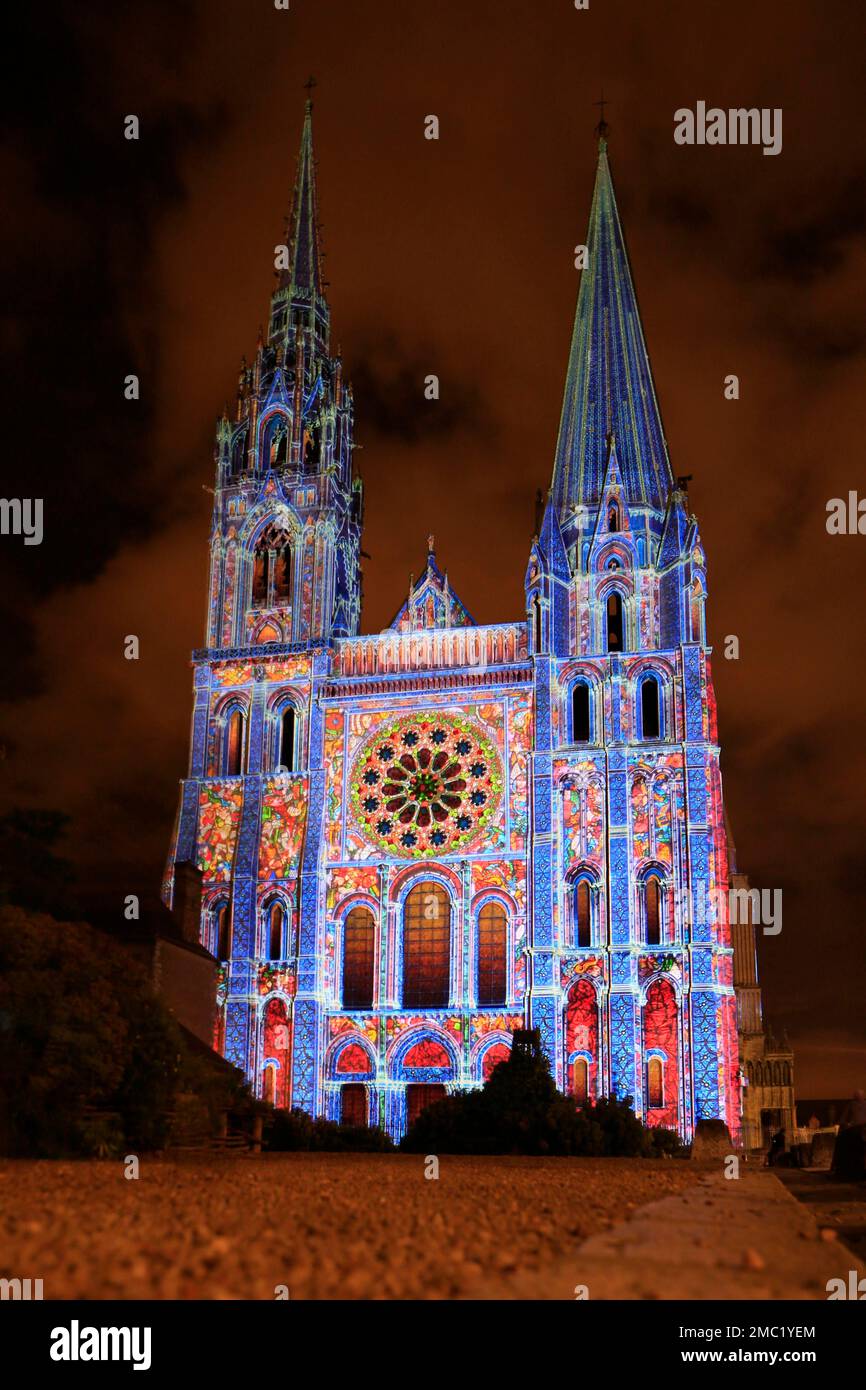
(581, 726)
(286, 738)
(650, 710)
(233, 744)
(359, 957)
(582, 913)
(223, 942)
(613, 615)
(653, 909)
(492, 955)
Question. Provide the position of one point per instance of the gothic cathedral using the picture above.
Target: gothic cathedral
(413, 843)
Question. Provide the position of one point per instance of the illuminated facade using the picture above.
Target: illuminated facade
(416, 841)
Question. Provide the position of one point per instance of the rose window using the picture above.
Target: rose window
(426, 786)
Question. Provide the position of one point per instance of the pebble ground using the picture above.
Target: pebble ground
(324, 1225)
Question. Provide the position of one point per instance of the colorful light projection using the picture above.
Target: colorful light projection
(442, 753)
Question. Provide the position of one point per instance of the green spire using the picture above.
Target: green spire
(609, 387)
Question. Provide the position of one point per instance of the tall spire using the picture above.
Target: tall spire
(305, 267)
(609, 387)
(299, 299)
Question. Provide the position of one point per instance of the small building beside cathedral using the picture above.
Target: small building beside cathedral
(415, 842)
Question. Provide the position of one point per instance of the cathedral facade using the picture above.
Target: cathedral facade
(414, 842)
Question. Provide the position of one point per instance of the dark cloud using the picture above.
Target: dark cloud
(388, 379)
(803, 244)
(78, 278)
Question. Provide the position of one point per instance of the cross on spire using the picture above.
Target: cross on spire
(308, 88)
(602, 127)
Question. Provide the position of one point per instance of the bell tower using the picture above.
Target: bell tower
(287, 510)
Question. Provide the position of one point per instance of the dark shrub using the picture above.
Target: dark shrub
(520, 1111)
(295, 1131)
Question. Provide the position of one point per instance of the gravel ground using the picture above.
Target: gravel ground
(324, 1225)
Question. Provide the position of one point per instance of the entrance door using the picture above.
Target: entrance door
(419, 1096)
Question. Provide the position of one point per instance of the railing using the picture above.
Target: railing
(429, 649)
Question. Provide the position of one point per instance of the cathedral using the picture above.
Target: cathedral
(414, 842)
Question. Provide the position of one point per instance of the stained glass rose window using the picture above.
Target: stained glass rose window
(424, 786)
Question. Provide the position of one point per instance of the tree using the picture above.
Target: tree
(89, 1056)
(32, 875)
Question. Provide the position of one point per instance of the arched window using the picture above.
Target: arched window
(269, 1084)
(653, 910)
(582, 913)
(536, 611)
(358, 959)
(613, 518)
(650, 713)
(272, 568)
(278, 442)
(655, 1084)
(614, 622)
(426, 947)
(581, 727)
(276, 920)
(233, 744)
(223, 932)
(239, 452)
(353, 1103)
(580, 1081)
(287, 729)
(492, 955)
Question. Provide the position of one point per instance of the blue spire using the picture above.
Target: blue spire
(609, 387)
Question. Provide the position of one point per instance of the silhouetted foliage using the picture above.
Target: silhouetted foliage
(295, 1130)
(520, 1111)
(90, 1058)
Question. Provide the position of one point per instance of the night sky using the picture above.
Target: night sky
(454, 257)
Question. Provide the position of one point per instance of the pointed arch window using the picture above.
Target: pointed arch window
(426, 947)
(278, 442)
(653, 911)
(272, 568)
(581, 713)
(233, 743)
(287, 732)
(650, 707)
(358, 959)
(655, 1084)
(614, 624)
(492, 955)
(613, 517)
